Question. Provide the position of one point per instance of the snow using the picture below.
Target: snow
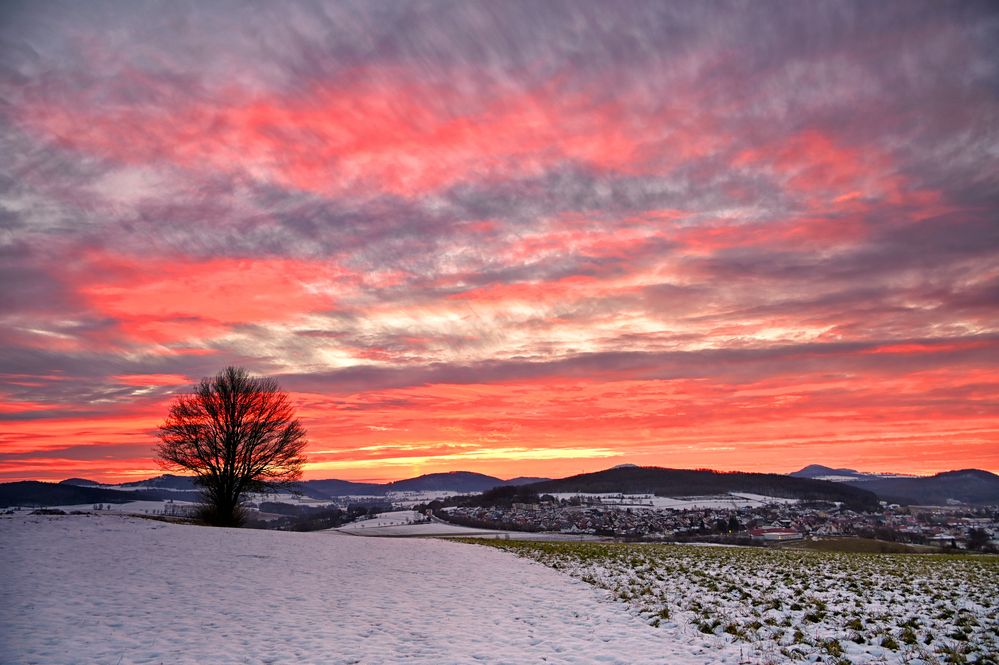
(116, 589)
(409, 499)
(409, 524)
(128, 508)
(394, 518)
(783, 606)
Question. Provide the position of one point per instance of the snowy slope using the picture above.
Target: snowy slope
(410, 524)
(113, 589)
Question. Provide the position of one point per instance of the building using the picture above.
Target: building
(771, 534)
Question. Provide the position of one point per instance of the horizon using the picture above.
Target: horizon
(376, 480)
(521, 240)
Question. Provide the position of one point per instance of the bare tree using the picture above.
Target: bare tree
(238, 434)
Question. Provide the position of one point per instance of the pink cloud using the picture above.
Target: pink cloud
(169, 300)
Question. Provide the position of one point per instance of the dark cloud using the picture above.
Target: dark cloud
(731, 365)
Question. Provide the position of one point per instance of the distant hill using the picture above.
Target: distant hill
(79, 482)
(460, 482)
(179, 488)
(524, 480)
(34, 493)
(332, 487)
(167, 482)
(456, 481)
(683, 482)
(973, 486)
(819, 471)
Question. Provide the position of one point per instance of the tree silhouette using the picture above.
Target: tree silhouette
(238, 434)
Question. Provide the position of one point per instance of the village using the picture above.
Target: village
(958, 527)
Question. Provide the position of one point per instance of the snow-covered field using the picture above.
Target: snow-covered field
(786, 606)
(410, 499)
(394, 518)
(409, 523)
(178, 508)
(118, 590)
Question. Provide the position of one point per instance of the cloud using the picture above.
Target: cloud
(389, 205)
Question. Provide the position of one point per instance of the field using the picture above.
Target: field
(861, 545)
(791, 605)
(409, 524)
(124, 590)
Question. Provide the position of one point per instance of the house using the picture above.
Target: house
(943, 540)
(772, 534)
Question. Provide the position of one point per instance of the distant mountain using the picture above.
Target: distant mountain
(33, 493)
(826, 473)
(330, 488)
(79, 482)
(454, 481)
(462, 482)
(167, 482)
(972, 486)
(682, 482)
(179, 488)
(524, 480)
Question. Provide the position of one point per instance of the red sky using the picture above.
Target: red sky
(520, 239)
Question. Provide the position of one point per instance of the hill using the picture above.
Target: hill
(461, 482)
(332, 487)
(167, 481)
(972, 486)
(524, 480)
(682, 482)
(34, 493)
(817, 471)
(179, 488)
(456, 481)
(80, 482)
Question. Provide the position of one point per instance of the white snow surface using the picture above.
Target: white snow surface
(131, 507)
(115, 589)
(394, 518)
(410, 524)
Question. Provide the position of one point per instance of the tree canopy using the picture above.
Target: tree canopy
(237, 434)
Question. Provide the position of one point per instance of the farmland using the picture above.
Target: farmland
(789, 605)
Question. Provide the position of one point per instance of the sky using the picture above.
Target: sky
(517, 238)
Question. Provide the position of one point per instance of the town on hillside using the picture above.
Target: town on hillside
(632, 517)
